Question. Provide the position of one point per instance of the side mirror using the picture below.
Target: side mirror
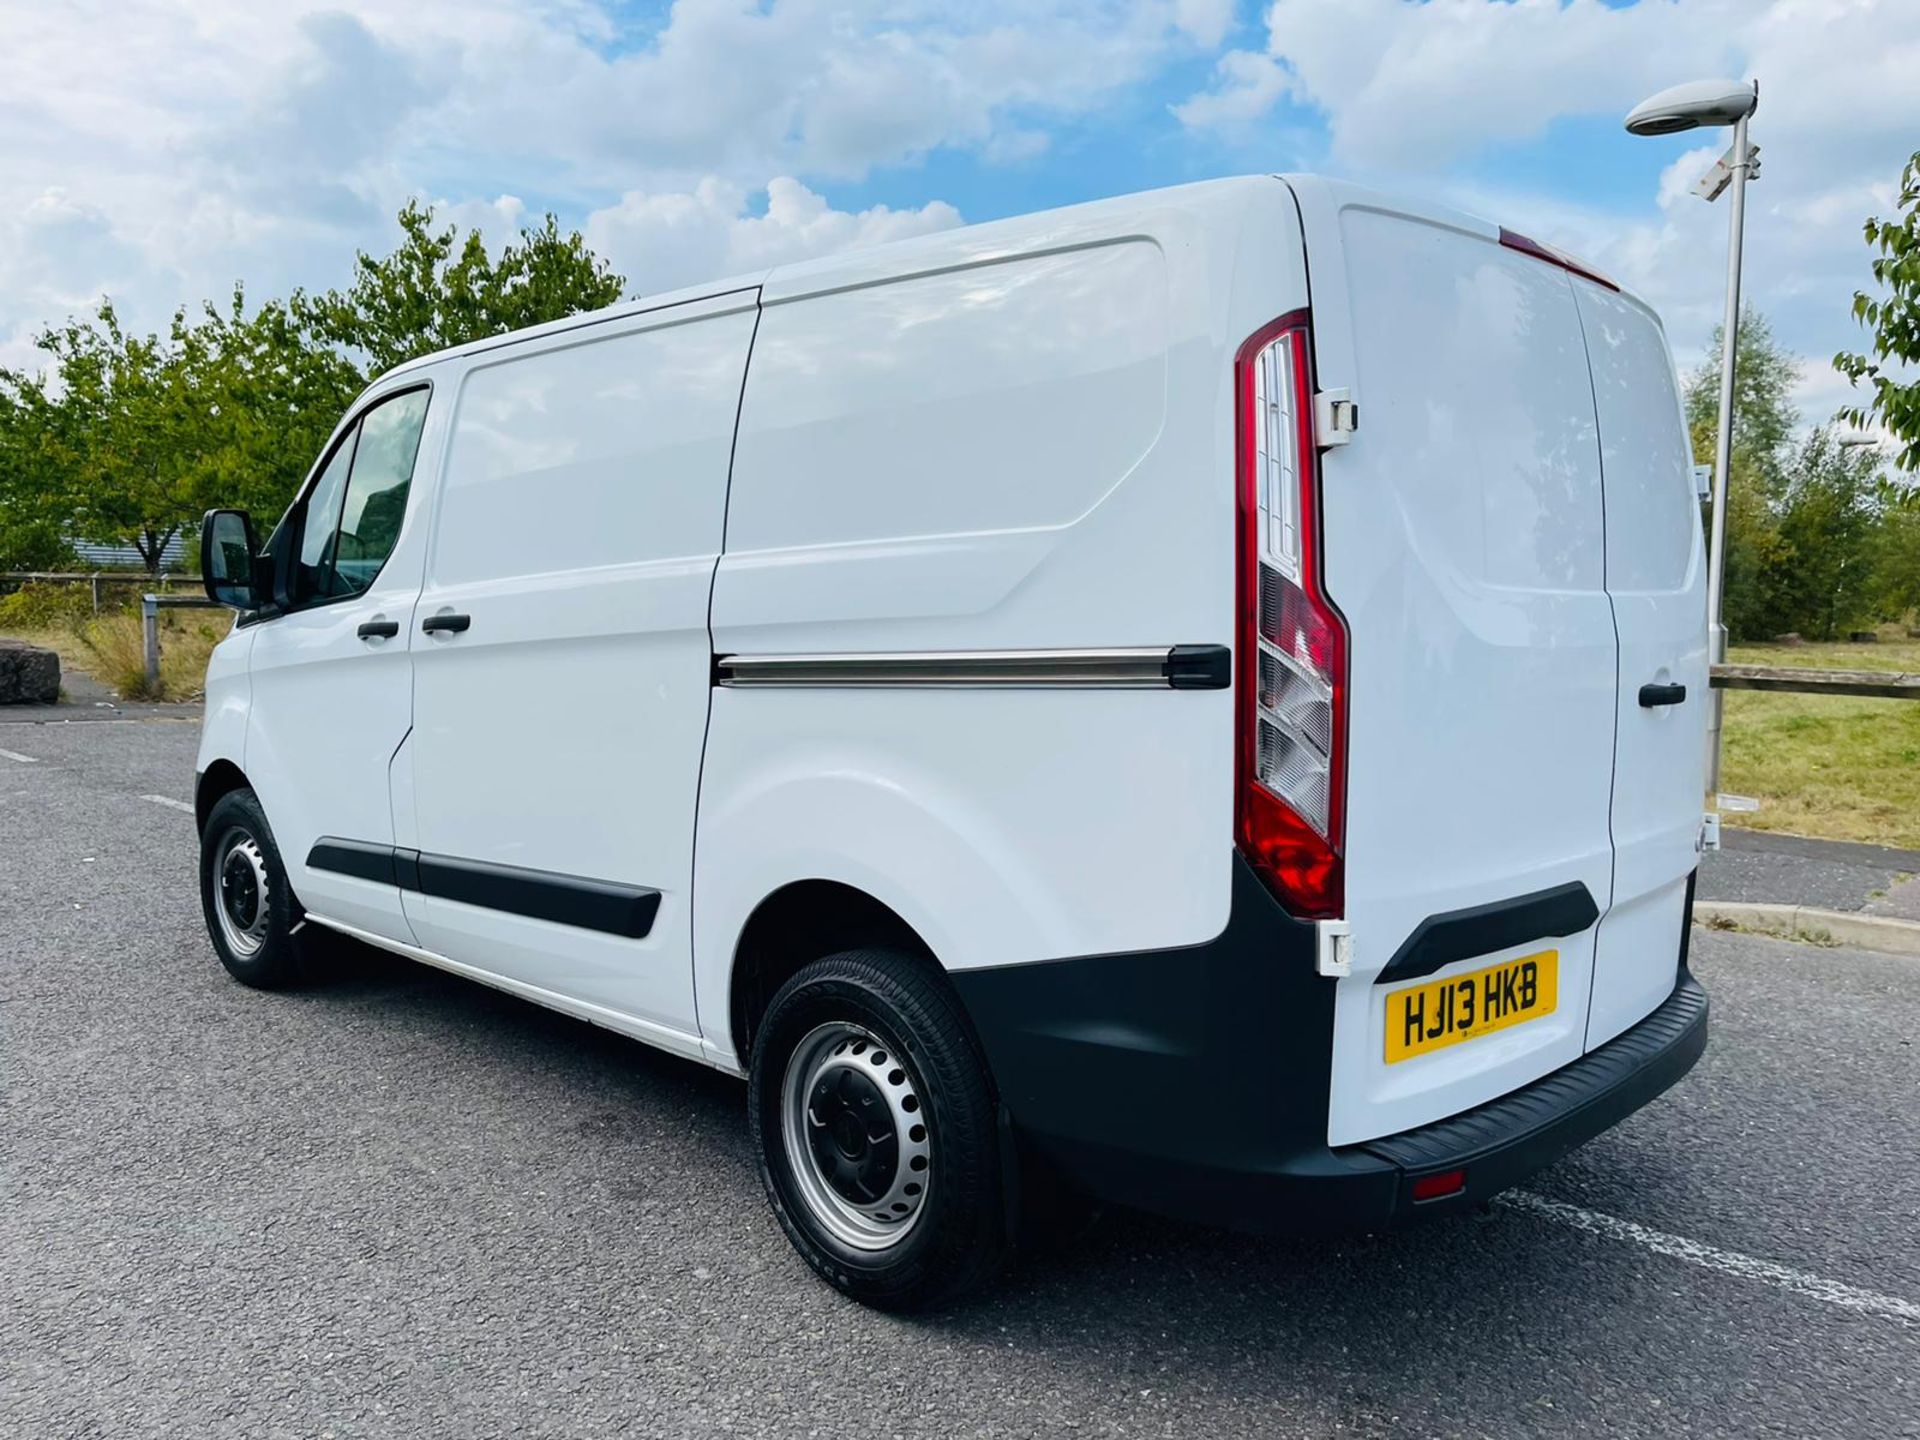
(229, 559)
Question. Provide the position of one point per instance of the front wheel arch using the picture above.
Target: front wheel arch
(216, 782)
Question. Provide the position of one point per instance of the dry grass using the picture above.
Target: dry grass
(1824, 765)
(111, 650)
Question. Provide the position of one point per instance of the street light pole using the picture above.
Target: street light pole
(1688, 107)
(1723, 451)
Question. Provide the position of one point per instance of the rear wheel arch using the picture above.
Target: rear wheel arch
(799, 923)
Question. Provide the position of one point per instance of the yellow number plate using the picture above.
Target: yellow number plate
(1431, 1017)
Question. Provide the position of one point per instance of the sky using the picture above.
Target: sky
(156, 151)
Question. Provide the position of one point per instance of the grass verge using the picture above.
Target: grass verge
(1826, 765)
(111, 649)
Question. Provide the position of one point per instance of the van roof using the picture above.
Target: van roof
(709, 290)
(942, 250)
(963, 246)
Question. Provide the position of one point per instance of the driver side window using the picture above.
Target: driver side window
(358, 500)
(312, 579)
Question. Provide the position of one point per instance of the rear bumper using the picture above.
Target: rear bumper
(1194, 1083)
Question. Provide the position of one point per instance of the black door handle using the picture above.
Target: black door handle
(1652, 695)
(379, 629)
(454, 623)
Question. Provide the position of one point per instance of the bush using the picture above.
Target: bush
(38, 605)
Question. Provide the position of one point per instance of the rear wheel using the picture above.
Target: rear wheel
(253, 919)
(876, 1130)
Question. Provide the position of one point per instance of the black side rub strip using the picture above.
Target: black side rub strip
(352, 857)
(1439, 940)
(604, 905)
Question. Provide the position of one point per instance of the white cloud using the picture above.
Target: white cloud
(1406, 84)
(661, 241)
(215, 139)
(218, 139)
(498, 220)
(1246, 85)
(1206, 21)
(1413, 94)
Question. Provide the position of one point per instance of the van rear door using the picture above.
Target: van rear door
(1463, 541)
(1656, 578)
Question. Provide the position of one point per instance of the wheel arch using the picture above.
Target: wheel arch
(217, 781)
(804, 921)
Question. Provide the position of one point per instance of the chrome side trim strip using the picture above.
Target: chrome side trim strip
(1145, 667)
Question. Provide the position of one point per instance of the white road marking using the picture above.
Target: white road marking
(170, 802)
(1727, 1262)
(16, 755)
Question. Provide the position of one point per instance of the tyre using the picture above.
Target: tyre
(877, 1132)
(253, 918)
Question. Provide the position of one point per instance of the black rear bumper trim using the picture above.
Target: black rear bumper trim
(1507, 1139)
(1195, 1082)
(1439, 940)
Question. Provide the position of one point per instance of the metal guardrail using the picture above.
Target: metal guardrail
(94, 579)
(150, 607)
(1884, 684)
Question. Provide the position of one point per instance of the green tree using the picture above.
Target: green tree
(1829, 521)
(33, 518)
(128, 438)
(139, 434)
(1892, 370)
(1758, 600)
(283, 392)
(439, 289)
(118, 464)
(1896, 559)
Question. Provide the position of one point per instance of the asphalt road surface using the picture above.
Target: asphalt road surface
(402, 1204)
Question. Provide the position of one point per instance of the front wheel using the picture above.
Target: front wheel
(253, 919)
(876, 1131)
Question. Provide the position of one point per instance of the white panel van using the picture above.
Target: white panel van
(1194, 701)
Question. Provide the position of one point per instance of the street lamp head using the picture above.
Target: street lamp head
(1690, 106)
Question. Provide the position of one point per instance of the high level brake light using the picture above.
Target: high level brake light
(1291, 659)
(1514, 240)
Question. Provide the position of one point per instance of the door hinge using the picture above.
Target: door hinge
(1335, 417)
(1709, 833)
(1333, 948)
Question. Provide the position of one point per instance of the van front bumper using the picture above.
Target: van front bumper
(1194, 1083)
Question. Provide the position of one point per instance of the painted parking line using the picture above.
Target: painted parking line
(1710, 1257)
(169, 802)
(16, 755)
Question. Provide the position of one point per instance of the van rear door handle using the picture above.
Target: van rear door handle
(433, 624)
(1652, 695)
(379, 629)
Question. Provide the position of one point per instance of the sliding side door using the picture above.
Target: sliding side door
(562, 664)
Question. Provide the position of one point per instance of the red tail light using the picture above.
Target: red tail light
(1291, 656)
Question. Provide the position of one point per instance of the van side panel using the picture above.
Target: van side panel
(1464, 544)
(578, 526)
(1015, 439)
